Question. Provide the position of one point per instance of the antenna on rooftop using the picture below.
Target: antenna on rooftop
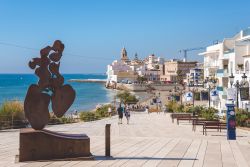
(188, 50)
(215, 42)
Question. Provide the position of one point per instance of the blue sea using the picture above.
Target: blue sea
(88, 95)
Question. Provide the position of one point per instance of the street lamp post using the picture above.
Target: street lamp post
(193, 97)
(209, 90)
(231, 79)
(193, 88)
(209, 82)
(193, 94)
(237, 85)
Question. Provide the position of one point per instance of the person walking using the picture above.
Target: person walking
(127, 114)
(109, 111)
(120, 113)
(147, 109)
(164, 108)
(160, 106)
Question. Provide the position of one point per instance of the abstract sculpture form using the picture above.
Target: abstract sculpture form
(49, 88)
(38, 143)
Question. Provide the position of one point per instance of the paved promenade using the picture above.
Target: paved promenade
(150, 140)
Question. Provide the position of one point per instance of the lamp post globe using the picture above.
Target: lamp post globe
(231, 79)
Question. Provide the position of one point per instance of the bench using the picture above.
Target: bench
(200, 121)
(213, 125)
(223, 125)
(179, 115)
(188, 118)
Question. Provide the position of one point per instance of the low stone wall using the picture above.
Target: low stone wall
(131, 87)
(165, 87)
(145, 87)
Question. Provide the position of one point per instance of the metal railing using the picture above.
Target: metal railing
(239, 71)
(10, 123)
(7, 122)
(13, 124)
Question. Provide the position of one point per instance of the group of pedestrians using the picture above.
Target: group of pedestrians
(160, 109)
(123, 110)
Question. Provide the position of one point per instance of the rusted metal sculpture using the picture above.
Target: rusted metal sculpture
(38, 143)
(49, 88)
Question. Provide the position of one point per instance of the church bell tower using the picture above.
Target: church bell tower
(124, 56)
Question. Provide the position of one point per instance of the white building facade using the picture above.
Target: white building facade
(115, 71)
(121, 70)
(231, 56)
(126, 70)
(195, 77)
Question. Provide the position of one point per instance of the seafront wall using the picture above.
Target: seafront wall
(145, 87)
(88, 80)
(132, 87)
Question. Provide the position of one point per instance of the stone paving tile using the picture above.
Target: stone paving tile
(239, 158)
(201, 154)
(124, 160)
(159, 156)
(191, 154)
(122, 151)
(213, 155)
(146, 154)
(227, 154)
(175, 156)
(149, 140)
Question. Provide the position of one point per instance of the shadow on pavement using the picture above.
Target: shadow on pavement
(141, 158)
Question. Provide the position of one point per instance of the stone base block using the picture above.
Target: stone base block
(48, 145)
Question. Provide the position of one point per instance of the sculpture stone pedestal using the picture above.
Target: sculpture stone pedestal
(48, 145)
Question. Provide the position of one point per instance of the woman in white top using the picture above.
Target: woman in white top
(146, 110)
(110, 111)
(127, 114)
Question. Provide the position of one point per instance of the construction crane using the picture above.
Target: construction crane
(188, 50)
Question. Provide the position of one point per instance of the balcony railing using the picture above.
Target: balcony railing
(222, 73)
(239, 72)
(229, 51)
(211, 65)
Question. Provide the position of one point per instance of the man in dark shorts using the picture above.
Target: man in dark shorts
(120, 113)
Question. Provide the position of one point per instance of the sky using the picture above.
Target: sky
(94, 31)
